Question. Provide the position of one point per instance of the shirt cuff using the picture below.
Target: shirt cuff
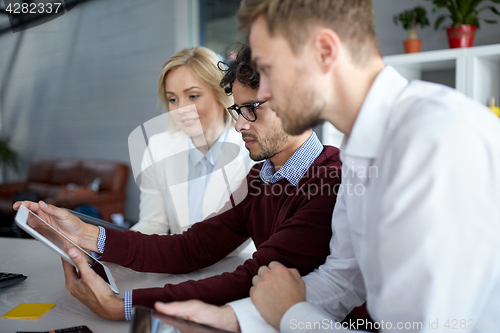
(305, 317)
(101, 242)
(249, 317)
(127, 305)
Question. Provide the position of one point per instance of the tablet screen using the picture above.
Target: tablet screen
(61, 241)
(149, 321)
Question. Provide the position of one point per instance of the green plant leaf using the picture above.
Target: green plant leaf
(440, 3)
(494, 10)
(490, 21)
(474, 21)
(474, 3)
(463, 11)
(8, 157)
(438, 22)
(465, 7)
(412, 18)
(456, 14)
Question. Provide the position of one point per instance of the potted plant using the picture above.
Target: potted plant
(8, 158)
(464, 15)
(410, 19)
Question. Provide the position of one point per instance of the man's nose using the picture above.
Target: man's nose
(242, 124)
(264, 92)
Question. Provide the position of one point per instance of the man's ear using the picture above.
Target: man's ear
(326, 45)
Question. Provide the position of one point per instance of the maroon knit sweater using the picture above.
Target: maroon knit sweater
(293, 228)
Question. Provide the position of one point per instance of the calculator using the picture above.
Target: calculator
(8, 279)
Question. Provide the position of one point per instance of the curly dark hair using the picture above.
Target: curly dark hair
(240, 69)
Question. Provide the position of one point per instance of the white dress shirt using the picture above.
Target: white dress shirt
(416, 229)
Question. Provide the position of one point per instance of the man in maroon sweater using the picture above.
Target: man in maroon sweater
(287, 213)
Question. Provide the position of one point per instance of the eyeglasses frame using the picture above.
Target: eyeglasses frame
(252, 108)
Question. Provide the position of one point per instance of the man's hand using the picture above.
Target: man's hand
(83, 234)
(275, 290)
(90, 289)
(202, 313)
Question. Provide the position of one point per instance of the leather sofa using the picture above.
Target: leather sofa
(64, 182)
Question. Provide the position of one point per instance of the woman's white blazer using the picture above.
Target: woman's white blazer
(164, 181)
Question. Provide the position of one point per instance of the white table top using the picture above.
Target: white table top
(45, 284)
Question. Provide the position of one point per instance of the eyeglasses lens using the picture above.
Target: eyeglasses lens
(247, 112)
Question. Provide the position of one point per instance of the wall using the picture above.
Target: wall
(82, 82)
(391, 36)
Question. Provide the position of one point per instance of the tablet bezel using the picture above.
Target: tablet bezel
(21, 220)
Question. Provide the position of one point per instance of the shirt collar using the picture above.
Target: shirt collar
(195, 156)
(369, 127)
(296, 166)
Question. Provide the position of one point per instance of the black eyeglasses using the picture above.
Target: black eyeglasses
(247, 111)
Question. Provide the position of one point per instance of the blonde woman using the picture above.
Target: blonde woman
(200, 154)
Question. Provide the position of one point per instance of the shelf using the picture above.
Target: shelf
(484, 73)
(446, 63)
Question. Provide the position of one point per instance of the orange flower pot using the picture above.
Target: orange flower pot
(412, 45)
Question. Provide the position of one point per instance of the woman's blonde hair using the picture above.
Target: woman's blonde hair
(203, 63)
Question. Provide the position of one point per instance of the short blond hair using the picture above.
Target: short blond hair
(203, 63)
(352, 20)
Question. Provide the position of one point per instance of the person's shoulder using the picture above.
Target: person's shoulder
(254, 173)
(434, 120)
(432, 110)
(165, 144)
(167, 139)
(326, 168)
(426, 100)
(331, 152)
(256, 168)
(330, 155)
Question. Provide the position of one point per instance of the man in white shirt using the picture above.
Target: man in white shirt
(416, 230)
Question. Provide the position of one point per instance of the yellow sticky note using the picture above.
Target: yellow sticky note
(28, 311)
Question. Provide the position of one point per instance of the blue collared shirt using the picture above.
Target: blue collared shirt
(200, 169)
(296, 166)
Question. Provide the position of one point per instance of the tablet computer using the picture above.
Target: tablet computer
(146, 320)
(59, 243)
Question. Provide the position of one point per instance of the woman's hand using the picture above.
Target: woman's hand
(81, 233)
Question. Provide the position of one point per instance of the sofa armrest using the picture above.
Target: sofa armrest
(8, 190)
(97, 199)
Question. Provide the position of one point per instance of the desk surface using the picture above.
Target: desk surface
(45, 284)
